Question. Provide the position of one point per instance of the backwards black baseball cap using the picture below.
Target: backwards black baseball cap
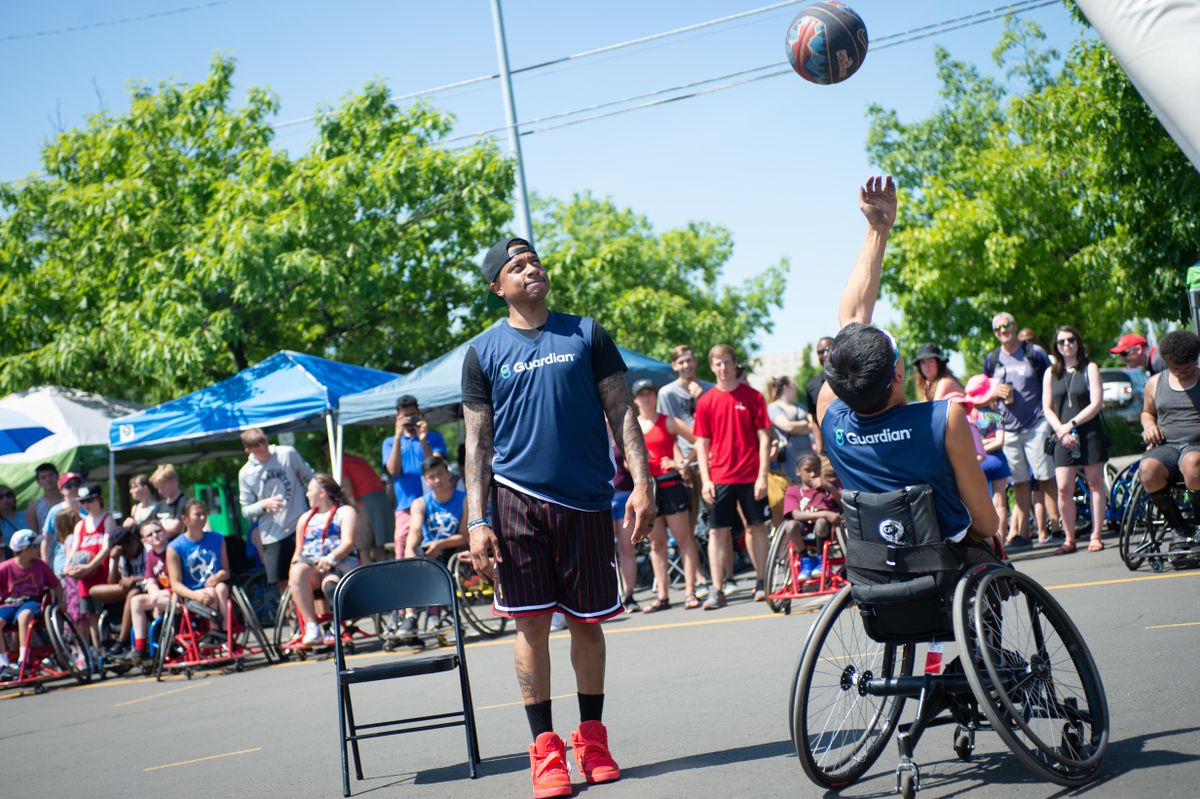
(494, 261)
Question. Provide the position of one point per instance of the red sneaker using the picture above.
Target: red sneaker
(590, 744)
(548, 762)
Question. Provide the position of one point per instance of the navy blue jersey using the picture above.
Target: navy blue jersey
(903, 446)
(550, 440)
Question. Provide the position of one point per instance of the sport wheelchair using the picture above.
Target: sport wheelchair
(1022, 669)
(785, 580)
(1145, 536)
(188, 637)
(56, 650)
(288, 631)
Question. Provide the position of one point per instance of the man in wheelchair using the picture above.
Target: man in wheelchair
(23, 580)
(917, 515)
(1171, 428)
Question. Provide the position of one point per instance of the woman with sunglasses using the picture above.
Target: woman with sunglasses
(1071, 402)
(87, 557)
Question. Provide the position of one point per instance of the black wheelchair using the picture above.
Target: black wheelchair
(1022, 668)
(1146, 539)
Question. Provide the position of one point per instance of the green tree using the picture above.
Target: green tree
(652, 290)
(1057, 197)
(170, 245)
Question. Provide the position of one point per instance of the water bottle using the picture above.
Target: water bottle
(1075, 451)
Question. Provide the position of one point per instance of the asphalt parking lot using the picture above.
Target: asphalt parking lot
(696, 706)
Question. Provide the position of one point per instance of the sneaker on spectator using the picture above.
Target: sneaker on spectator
(557, 622)
(408, 630)
(731, 587)
(630, 605)
(589, 743)
(312, 635)
(806, 568)
(716, 599)
(548, 766)
(10, 672)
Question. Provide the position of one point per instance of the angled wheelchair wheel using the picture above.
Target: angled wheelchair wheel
(287, 628)
(475, 597)
(1142, 532)
(838, 732)
(70, 649)
(779, 572)
(166, 637)
(253, 628)
(1032, 674)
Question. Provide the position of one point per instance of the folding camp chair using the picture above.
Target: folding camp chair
(381, 588)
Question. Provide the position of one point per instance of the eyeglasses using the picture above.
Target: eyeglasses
(1004, 326)
(90, 499)
(72, 484)
(822, 352)
(1129, 353)
(1068, 340)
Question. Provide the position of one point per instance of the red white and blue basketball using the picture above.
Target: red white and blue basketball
(826, 43)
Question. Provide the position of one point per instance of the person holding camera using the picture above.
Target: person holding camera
(403, 456)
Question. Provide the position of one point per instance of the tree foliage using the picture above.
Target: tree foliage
(652, 290)
(1056, 196)
(173, 244)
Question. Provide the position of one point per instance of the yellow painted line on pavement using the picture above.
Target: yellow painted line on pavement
(1124, 580)
(162, 693)
(1170, 626)
(203, 759)
(520, 702)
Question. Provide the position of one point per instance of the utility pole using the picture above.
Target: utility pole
(524, 224)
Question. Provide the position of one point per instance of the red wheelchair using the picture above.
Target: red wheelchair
(189, 636)
(786, 579)
(56, 650)
(289, 629)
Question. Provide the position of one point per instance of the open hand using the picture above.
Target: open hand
(877, 201)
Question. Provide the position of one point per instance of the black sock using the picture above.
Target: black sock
(591, 707)
(1164, 500)
(540, 718)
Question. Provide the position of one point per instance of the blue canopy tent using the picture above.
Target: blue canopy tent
(287, 392)
(437, 386)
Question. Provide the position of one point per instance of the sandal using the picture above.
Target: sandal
(1065, 549)
(691, 602)
(1096, 545)
(657, 605)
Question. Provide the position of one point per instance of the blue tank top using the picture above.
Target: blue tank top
(442, 518)
(550, 440)
(903, 446)
(199, 559)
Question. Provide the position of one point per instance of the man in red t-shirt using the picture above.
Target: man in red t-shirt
(731, 444)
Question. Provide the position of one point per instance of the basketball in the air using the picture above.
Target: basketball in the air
(826, 43)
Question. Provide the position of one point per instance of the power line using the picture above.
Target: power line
(746, 76)
(608, 48)
(112, 22)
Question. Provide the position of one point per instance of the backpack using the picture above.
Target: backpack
(992, 360)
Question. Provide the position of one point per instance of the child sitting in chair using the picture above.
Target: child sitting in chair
(23, 580)
(198, 564)
(810, 510)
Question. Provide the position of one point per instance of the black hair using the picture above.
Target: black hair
(432, 462)
(1059, 367)
(45, 467)
(1179, 347)
(808, 459)
(331, 487)
(859, 367)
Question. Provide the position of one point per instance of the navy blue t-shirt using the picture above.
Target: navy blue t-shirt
(549, 434)
(903, 446)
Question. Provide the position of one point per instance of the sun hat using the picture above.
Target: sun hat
(979, 388)
(929, 351)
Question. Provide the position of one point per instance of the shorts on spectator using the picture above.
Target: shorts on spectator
(618, 505)
(1026, 453)
(277, 558)
(88, 605)
(673, 498)
(729, 497)
(553, 558)
(995, 466)
(9, 613)
(400, 531)
(777, 486)
(377, 508)
(1171, 455)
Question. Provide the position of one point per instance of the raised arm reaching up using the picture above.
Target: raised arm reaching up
(877, 201)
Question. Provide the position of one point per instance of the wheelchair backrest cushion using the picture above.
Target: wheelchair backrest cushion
(894, 536)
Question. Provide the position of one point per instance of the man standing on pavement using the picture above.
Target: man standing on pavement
(536, 391)
(732, 441)
(1137, 353)
(416, 443)
(1019, 366)
(271, 486)
(678, 400)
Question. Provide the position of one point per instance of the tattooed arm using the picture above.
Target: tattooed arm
(614, 397)
(477, 417)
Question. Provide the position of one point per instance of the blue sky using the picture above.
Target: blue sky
(777, 161)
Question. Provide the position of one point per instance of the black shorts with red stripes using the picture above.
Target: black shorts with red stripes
(553, 558)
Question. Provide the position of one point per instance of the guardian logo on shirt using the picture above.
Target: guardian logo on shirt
(524, 366)
(884, 436)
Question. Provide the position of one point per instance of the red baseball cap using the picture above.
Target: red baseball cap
(1126, 341)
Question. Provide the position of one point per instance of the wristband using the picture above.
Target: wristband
(471, 525)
